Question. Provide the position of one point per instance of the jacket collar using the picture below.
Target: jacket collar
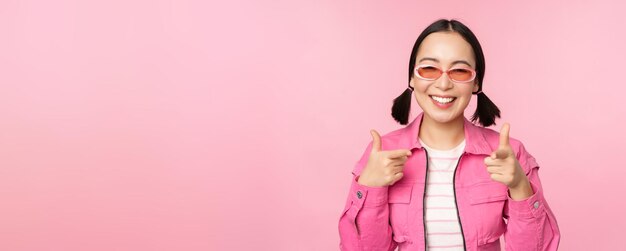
(475, 141)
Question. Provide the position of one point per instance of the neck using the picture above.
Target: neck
(442, 136)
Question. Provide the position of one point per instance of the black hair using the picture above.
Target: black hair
(486, 111)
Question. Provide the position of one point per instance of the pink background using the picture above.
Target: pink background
(181, 125)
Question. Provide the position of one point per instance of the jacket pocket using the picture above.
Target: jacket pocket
(486, 192)
(487, 200)
(399, 201)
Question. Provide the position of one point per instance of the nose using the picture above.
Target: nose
(444, 82)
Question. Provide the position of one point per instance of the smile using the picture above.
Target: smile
(443, 100)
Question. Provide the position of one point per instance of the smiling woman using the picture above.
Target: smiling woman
(442, 182)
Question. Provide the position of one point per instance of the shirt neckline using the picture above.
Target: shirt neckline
(454, 151)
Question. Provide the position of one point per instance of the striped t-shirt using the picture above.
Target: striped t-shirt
(443, 231)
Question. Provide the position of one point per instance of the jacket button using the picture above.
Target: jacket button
(359, 194)
(536, 204)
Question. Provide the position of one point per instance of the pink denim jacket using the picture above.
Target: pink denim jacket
(383, 218)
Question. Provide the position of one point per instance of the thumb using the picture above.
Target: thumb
(376, 144)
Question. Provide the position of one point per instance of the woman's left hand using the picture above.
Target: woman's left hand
(504, 167)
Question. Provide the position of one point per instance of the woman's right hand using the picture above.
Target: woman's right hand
(384, 168)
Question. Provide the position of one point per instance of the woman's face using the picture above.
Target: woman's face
(444, 50)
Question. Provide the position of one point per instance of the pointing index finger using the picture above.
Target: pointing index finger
(504, 135)
(398, 153)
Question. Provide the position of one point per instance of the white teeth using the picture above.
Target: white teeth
(442, 100)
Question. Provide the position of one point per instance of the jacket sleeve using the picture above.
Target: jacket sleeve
(531, 224)
(364, 223)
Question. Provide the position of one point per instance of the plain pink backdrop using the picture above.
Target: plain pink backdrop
(234, 125)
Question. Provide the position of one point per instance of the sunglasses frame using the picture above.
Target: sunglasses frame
(442, 73)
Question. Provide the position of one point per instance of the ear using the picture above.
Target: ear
(475, 89)
(412, 83)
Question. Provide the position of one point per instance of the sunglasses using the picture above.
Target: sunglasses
(457, 75)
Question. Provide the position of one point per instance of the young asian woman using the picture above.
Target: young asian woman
(443, 182)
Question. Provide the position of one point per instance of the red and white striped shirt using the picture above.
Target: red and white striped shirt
(443, 231)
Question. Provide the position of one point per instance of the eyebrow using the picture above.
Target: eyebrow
(453, 63)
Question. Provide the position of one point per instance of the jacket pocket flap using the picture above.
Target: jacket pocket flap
(488, 192)
(400, 193)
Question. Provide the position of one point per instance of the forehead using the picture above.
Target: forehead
(446, 47)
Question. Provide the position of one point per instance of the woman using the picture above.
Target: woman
(442, 182)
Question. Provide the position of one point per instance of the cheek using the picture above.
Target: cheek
(465, 101)
(420, 95)
(421, 87)
(466, 90)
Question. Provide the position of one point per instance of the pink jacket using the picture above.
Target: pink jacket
(383, 218)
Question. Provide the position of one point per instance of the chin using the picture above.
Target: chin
(443, 116)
